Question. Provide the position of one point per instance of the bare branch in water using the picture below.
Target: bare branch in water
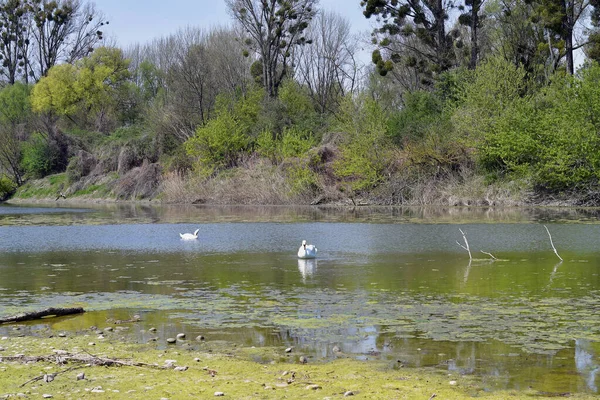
(489, 254)
(554, 248)
(466, 247)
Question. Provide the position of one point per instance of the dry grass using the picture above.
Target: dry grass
(255, 183)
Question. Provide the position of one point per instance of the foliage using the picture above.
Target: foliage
(219, 143)
(493, 87)
(300, 178)
(292, 143)
(364, 155)
(40, 157)
(7, 187)
(421, 110)
(93, 87)
(551, 137)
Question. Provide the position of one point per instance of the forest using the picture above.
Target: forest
(466, 102)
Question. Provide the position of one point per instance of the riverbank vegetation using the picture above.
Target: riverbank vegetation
(496, 105)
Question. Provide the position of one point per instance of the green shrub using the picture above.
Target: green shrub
(7, 187)
(293, 143)
(40, 158)
(365, 152)
(218, 144)
(300, 178)
(421, 111)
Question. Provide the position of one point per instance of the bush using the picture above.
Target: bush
(293, 143)
(7, 187)
(421, 111)
(218, 144)
(365, 151)
(40, 158)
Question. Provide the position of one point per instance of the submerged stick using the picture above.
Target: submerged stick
(54, 312)
(466, 243)
(554, 248)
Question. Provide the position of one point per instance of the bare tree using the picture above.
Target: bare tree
(63, 30)
(190, 68)
(328, 67)
(14, 23)
(275, 28)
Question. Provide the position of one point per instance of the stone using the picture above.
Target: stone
(171, 340)
(218, 394)
(181, 336)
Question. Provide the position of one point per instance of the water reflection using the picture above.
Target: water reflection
(307, 268)
(586, 362)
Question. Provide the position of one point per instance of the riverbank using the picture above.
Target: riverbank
(111, 368)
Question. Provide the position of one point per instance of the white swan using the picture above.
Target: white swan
(189, 236)
(307, 250)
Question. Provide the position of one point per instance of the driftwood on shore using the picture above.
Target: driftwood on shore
(87, 360)
(48, 312)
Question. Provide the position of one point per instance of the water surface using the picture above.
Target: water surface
(389, 283)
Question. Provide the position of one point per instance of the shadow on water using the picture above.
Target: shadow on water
(389, 283)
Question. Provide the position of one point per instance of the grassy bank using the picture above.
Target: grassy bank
(234, 372)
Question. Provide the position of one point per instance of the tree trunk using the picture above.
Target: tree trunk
(474, 44)
(54, 312)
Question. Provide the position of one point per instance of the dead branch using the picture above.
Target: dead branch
(489, 254)
(466, 247)
(554, 248)
(49, 312)
(39, 378)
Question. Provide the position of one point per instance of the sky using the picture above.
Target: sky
(133, 21)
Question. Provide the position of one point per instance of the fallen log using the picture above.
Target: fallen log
(49, 312)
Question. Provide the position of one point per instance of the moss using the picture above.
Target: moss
(217, 370)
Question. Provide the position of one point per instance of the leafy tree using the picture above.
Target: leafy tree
(275, 28)
(41, 156)
(92, 87)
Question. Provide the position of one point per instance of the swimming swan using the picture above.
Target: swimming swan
(189, 236)
(307, 250)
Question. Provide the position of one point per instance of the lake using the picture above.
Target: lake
(393, 284)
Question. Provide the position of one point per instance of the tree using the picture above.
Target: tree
(402, 20)
(14, 28)
(472, 18)
(92, 87)
(328, 67)
(64, 30)
(559, 18)
(275, 28)
(15, 116)
(516, 38)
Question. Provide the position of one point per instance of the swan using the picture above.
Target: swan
(189, 236)
(307, 250)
